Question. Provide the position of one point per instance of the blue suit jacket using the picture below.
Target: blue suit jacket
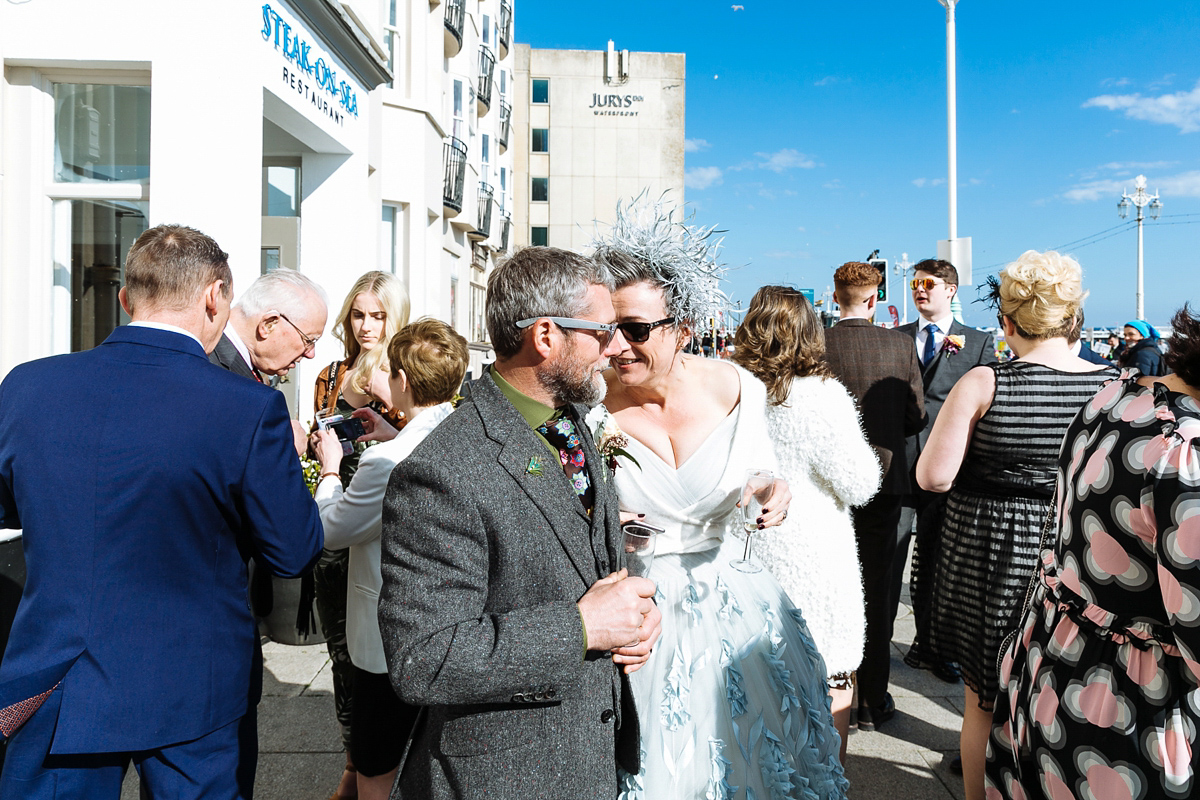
(142, 476)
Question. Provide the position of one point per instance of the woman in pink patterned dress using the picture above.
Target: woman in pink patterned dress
(1099, 687)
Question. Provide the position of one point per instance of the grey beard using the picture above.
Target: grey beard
(568, 382)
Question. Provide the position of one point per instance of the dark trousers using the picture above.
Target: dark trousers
(926, 508)
(875, 527)
(219, 764)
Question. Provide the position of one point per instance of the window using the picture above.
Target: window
(485, 156)
(391, 39)
(541, 190)
(538, 236)
(503, 189)
(478, 306)
(281, 191)
(457, 127)
(393, 240)
(503, 83)
(541, 140)
(541, 90)
(101, 138)
(487, 30)
(101, 133)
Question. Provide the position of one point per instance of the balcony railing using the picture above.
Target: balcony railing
(453, 34)
(505, 125)
(484, 227)
(454, 155)
(505, 27)
(487, 68)
(505, 230)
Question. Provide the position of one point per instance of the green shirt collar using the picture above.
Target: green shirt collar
(535, 413)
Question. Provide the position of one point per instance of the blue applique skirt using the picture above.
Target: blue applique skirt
(733, 702)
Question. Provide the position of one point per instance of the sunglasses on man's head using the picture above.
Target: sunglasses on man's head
(924, 283)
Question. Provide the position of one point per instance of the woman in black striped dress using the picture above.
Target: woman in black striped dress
(995, 449)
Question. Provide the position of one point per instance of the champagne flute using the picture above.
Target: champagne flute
(639, 546)
(758, 486)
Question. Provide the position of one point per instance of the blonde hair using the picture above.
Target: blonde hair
(393, 297)
(1042, 293)
(434, 358)
(781, 338)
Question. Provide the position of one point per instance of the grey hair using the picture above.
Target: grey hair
(647, 245)
(538, 282)
(281, 290)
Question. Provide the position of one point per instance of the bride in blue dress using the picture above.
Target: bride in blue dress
(733, 700)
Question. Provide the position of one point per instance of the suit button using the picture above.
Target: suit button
(550, 694)
(518, 698)
(607, 715)
(539, 696)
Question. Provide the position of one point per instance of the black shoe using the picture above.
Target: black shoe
(945, 670)
(870, 719)
(956, 765)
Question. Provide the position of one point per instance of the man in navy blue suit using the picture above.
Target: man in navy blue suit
(142, 477)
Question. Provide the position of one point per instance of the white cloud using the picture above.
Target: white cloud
(828, 80)
(787, 255)
(1185, 184)
(695, 145)
(921, 183)
(1130, 166)
(785, 159)
(1115, 82)
(1181, 109)
(1095, 190)
(836, 183)
(702, 177)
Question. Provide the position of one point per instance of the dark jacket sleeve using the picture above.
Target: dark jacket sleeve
(915, 417)
(282, 517)
(1147, 359)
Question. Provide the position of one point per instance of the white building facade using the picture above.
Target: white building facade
(591, 127)
(308, 134)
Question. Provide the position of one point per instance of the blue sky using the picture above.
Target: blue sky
(817, 132)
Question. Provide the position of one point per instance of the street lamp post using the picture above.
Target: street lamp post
(901, 269)
(1140, 199)
(951, 115)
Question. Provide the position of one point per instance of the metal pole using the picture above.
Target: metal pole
(1140, 308)
(951, 117)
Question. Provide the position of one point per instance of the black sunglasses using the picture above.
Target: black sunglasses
(639, 332)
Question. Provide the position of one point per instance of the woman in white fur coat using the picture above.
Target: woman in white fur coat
(826, 460)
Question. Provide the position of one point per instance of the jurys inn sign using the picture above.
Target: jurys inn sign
(614, 105)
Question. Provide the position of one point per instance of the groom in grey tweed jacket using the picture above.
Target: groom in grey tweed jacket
(503, 610)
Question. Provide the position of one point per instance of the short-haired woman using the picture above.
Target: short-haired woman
(1098, 690)
(826, 460)
(427, 361)
(994, 448)
(375, 308)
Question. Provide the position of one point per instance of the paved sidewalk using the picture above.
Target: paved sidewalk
(300, 750)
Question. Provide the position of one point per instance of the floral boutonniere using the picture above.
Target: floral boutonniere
(610, 440)
(953, 343)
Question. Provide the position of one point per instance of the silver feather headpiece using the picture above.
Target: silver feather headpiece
(677, 256)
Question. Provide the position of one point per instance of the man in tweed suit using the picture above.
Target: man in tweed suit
(504, 609)
(879, 367)
(947, 350)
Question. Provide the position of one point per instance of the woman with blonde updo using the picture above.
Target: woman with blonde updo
(995, 449)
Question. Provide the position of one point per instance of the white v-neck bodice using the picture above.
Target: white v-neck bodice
(696, 503)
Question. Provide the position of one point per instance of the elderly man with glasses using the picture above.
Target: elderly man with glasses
(505, 611)
(275, 323)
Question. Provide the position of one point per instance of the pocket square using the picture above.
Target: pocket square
(535, 466)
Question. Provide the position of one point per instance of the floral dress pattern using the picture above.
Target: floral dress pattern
(1099, 689)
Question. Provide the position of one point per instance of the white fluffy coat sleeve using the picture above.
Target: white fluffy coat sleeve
(829, 444)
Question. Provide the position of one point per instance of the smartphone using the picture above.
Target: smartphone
(348, 429)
